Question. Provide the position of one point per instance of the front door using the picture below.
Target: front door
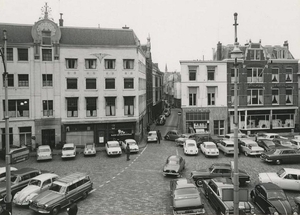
(48, 137)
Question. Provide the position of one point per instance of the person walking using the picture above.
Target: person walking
(127, 151)
(73, 209)
(158, 136)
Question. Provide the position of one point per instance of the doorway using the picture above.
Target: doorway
(48, 137)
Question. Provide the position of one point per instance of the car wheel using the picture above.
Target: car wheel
(167, 137)
(55, 211)
(205, 155)
(199, 182)
(84, 195)
(278, 162)
(246, 154)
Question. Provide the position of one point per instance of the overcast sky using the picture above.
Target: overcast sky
(179, 29)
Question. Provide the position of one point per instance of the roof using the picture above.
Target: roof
(291, 170)
(174, 157)
(45, 176)
(222, 165)
(190, 141)
(270, 186)
(44, 146)
(248, 140)
(23, 170)
(72, 178)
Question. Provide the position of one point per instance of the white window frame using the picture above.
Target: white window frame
(211, 96)
(289, 97)
(192, 96)
(256, 75)
(289, 75)
(259, 95)
(90, 63)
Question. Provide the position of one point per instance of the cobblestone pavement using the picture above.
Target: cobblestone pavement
(137, 186)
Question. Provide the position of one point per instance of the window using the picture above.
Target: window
(47, 107)
(289, 75)
(46, 37)
(91, 106)
(109, 83)
(47, 80)
(192, 96)
(22, 54)
(71, 63)
(128, 64)
(47, 54)
(91, 83)
(289, 96)
(10, 80)
(110, 107)
(9, 53)
(110, 63)
(233, 76)
(275, 96)
(219, 127)
(255, 96)
(211, 96)
(232, 96)
(128, 83)
(254, 75)
(128, 105)
(72, 107)
(210, 73)
(255, 54)
(71, 83)
(90, 63)
(275, 75)
(192, 73)
(23, 80)
(17, 108)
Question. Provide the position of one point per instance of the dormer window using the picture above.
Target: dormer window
(255, 54)
(46, 38)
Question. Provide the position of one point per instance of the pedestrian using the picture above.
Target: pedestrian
(158, 136)
(72, 209)
(127, 151)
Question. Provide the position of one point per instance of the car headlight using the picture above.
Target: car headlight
(295, 213)
(276, 213)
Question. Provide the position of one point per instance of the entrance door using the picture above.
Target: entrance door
(48, 137)
(101, 137)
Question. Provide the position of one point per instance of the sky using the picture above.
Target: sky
(179, 29)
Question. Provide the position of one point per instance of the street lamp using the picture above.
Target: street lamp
(236, 53)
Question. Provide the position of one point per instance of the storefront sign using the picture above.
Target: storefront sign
(197, 110)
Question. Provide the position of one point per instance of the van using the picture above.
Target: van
(72, 187)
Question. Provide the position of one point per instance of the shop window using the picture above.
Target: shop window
(90, 83)
(289, 96)
(128, 83)
(72, 107)
(71, 83)
(128, 63)
(110, 63)
(109, 83)
(23, 80)
(275, 75)
(289, 75)
(17, 108)
(211, 96)
(275, 96)
(48, 108)
(255, 96)
(192, 96)
(129, 105)
(47, 54)
(90, 63)
(71, 63)
(91, 106)
(47, 80)
(10, 80)
(22, 54)
(110, 107)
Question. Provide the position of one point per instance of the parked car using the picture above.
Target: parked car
(250, 147)
(174, 166)
(152, 137)
(68, 151)
(161, 120)
(167, 112)
(3, 172)
(172, 135)
(185, 195)
(218, 170)
(89, 149)
(220, 192)
(226, 146)
(35, 186)
(296, 143)
(269, 136)
(286, 178)
(44, 152)
(75, 186)
(19, 180)
(271, 199)
(190, 147)
(113, 148)
(231, 136)
(133, 146)
(268, 144)
(209, 149)
(281, 155)
(180, 140)
(284, 142)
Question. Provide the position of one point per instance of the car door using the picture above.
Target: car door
(289, 182)
(261, 199)
(216, 173)
(46, 184)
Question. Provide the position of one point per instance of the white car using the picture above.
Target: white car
(68, 151)
(35, 186)
(286, 178)
(250, 147)
(133, 146)
(209, 149)
(296, 143)
(113, 148)
(152, 137)
(190, 147)
(3, 172)
(269, 136)
(44, 152)
(226, 146)
(89, 149)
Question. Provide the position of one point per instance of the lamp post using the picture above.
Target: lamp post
(236, 53)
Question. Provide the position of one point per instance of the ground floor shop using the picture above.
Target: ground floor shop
(208, 119)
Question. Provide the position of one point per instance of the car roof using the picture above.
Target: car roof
(112, 141)
(209, 143)
(69, 179)
(174, 157)
(228, 141)
(222, 165)
(270, 186)
(246, 140)
(190, 141)
(185, 185)
(45, 176)
(24, 170)
(292, 170)
(130, 140)
(152, 132)
(44, 146)
(69, 144)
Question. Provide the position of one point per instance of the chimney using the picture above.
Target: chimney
(125, 27)
(61, 21)
(219, 51)
(286, 44)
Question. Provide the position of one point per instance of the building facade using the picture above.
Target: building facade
(68, 84)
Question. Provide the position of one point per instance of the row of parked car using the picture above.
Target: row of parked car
(161, 120)
(218, 187)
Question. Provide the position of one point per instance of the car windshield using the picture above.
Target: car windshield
(211, 146)
(35, 182)
(113, 145)
(269, 143)
(56, 188)
(89, 146)
(44, 150)
(229, 145)
(68, 148)
(186, 191)
(191, 145)
(172, 162)
(281, 173)
(152, 134)
(131, 143)
(278, 194)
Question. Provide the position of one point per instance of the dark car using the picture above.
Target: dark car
(270, 198)
(161, 120)
(284, 142)
(186, 197)
(281, 155)
(172, 135)
(268, 144)
(218, 170)
(174, 166)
